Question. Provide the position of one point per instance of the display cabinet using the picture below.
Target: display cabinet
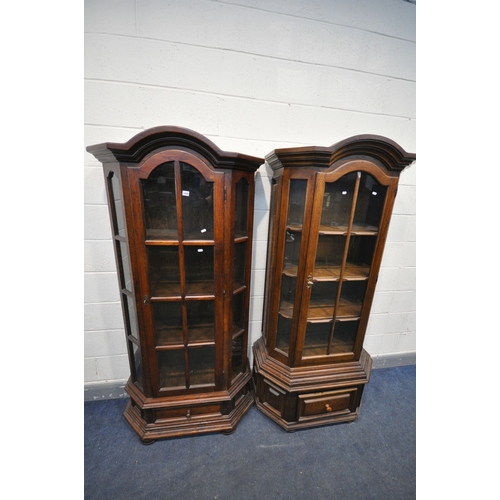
(181, 215)
(330, 212)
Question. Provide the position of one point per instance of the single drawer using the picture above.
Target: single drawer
(324, 403)
(187, 412)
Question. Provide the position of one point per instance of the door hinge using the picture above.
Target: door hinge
(225, 193)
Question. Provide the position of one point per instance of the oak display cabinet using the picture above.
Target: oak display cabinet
(182, 216)
(330, 213)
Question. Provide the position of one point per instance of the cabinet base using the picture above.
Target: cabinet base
(163, 418)
(303, 397)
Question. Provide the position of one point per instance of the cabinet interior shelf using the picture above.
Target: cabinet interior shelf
(352, 272)
(172, 235)
(200, 289)
(356, 230)
(321, 310)
(172, 336)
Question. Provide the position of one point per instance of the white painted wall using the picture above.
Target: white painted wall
(251, 75)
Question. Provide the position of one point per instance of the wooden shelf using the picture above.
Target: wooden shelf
(171, 236)
(321, 310)
(339, 230)
(202, 289)
(170, 337)
(352, 272)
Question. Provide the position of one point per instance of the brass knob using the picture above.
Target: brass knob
(309, 282)
(328, 407)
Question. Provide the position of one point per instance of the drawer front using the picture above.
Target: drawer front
(187, 412)
(325, 403)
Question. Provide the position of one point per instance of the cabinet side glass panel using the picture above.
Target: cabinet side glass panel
(117, 205)
(197, 204)
(240, 255)
(159, 199)
(293, 239)
(139, 373)
(238, 332)
(125, 277)
(241, 209)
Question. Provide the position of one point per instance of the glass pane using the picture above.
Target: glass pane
(369, 205)
(239, 265)
(168, 323)
(351, 299)
(202, 366)
(117, 206)
(199, 268)
(344, 336)
(171, 369)
(164, 275)
(316, 339)
(241, 209)
(297, 199)
(236, 356)
(283, 334)
(160, 211)
(239, 312)
(287, 298)
(293, 238)
(292, 253)
(139, 374)
(359, 256)
(197, 205)
(337, 203)
(131, 316)
(329, 254)
(127, 274)
(322, 301)
(200, 320)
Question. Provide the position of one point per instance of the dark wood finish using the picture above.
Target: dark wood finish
(181, 212)
(330, 213)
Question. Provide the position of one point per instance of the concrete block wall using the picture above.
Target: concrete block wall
(251, 75)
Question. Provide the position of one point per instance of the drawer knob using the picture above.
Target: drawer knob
(328, 407)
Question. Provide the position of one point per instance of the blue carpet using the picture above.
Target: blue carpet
(371, 458)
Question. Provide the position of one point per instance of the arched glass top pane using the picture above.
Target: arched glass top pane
(197, 204)
(160, 210)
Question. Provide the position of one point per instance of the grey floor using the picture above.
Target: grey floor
(372, 458)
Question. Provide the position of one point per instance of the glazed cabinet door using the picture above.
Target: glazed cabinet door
(342, 260)
(178, 200)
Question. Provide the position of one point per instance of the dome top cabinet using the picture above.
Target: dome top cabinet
(330, 212)
(182, 216)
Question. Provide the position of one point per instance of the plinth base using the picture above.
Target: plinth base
(311, 396)
(160, 418)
